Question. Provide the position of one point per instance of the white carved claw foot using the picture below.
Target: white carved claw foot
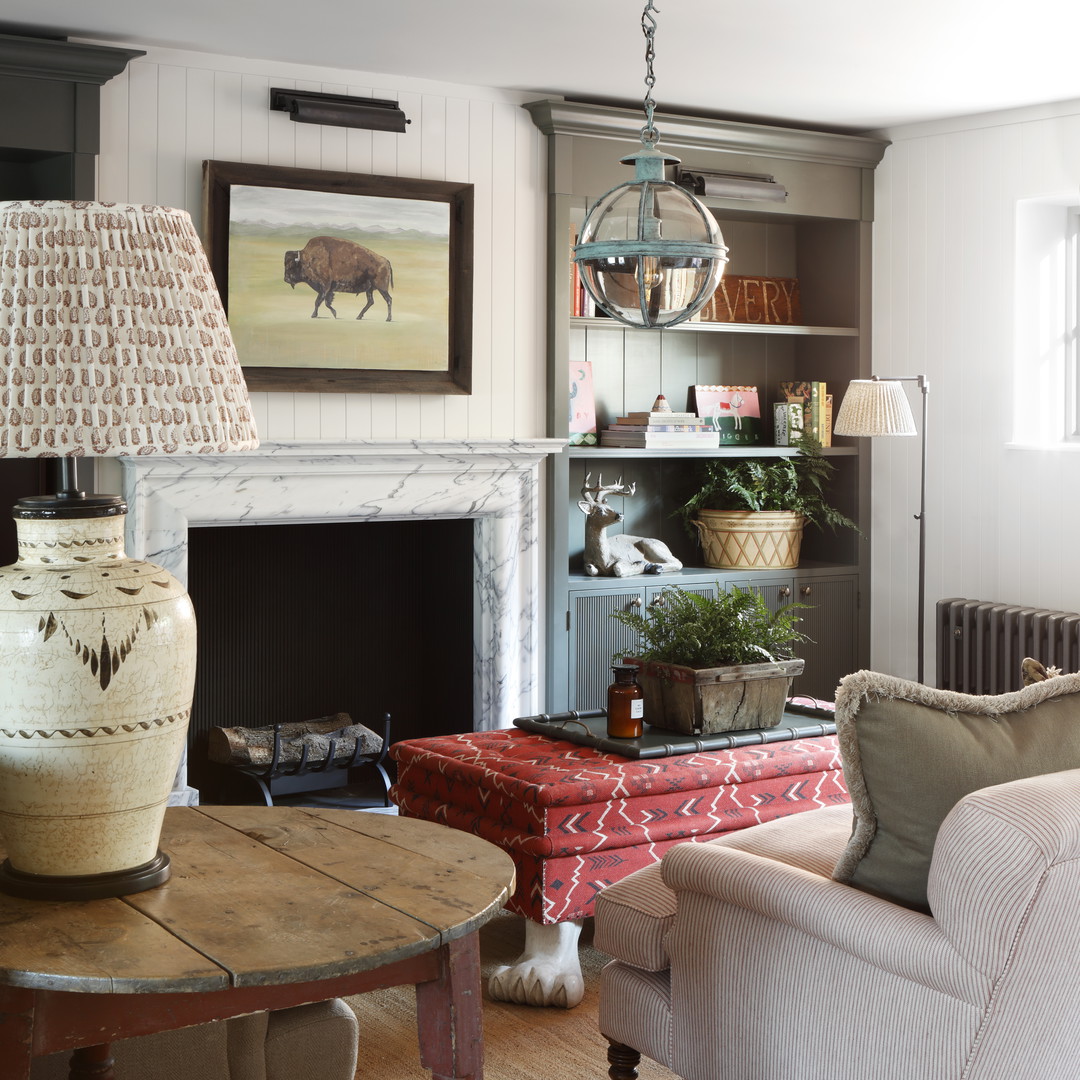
(548, 972)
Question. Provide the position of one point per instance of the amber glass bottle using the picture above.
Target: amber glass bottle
(625, 704)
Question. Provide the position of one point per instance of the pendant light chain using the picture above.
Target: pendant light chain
(649, 253)
(649, 135)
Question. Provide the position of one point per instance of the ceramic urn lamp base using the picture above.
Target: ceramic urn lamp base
(98, 654)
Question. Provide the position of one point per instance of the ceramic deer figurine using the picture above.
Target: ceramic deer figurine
(619, 555)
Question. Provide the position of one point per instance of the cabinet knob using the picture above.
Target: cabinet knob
(785, 590)
(805, 590)
(658, 602)
(636, 602)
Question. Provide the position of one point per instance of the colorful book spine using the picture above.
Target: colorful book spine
(702, 440)
(657, 418)
(703, 425)
(817, 410)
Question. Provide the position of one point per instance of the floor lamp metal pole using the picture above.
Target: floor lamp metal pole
(924, 386)
(920, 517)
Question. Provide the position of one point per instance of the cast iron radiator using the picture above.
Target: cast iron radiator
(980, 643)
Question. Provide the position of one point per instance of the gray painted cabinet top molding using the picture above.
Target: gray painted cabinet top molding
(68, 61)
(558, 117)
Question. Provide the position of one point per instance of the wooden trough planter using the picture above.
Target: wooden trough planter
(702, 701)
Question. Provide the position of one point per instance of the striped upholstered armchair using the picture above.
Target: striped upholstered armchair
(745, 958)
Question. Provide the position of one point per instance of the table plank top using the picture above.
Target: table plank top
(263, 896)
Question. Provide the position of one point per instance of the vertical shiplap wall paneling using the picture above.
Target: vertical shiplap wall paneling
(255, 119)
(457, 169)
(481, 155)
(1000, 522)
(948, 423)
(1066, 140)
(530, 277)
(889, 357)
(887, 270)
(500, 297)
(143, 117)
(170, 168)
(112, 166)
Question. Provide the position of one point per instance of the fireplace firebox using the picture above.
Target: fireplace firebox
(357, 617)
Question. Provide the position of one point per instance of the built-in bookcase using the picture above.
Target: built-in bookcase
(821, 236)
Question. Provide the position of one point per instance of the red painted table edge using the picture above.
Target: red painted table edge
(449, 1005)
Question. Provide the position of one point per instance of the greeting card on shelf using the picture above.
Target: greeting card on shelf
(733, 412)
(582, 419)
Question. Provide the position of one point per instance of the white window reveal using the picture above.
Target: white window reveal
(1046, 381)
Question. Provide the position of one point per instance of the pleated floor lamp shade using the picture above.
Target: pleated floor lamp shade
(874, 407)
(114, 342)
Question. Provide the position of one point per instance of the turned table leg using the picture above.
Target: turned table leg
(622, 1061)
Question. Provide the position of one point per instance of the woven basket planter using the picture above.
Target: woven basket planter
(750, 539)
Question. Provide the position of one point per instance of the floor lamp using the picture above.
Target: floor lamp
(879, 406)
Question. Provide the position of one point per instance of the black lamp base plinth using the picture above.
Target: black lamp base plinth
(84, 886)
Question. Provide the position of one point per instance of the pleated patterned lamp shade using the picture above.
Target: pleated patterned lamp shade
(874, 407)
(114, 342)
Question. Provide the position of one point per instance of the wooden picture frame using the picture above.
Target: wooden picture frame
(406, 245)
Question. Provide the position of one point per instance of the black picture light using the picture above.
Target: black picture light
(305, 107)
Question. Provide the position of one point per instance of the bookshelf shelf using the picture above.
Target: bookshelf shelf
(596, 323)
(602, 452)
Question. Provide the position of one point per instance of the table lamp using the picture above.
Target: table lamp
(879, 406)
(114, 342)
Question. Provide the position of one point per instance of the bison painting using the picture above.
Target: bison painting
(330, 266)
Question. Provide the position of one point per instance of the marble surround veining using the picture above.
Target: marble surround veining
(496, 483)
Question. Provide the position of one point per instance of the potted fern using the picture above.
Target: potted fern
(713, 663)
(750, 513)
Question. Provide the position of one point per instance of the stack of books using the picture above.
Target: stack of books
(817, 406)
(656, 430)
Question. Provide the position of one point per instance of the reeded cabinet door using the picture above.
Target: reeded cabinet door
(594, 638)
(830, 620)
(776, 591)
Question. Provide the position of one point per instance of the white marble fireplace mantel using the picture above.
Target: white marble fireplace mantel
(495, 482)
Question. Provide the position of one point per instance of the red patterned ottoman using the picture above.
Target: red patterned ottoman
(575, 819)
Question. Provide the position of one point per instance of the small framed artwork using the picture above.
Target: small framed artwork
(582, 412)
(343, 281)
(733, 410)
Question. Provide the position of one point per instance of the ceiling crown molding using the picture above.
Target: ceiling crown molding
(67, 61)
(559, 117)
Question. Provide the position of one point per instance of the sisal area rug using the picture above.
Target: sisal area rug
(520, 1042)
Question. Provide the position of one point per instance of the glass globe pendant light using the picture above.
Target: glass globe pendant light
(650, 254)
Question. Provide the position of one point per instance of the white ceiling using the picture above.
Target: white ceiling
(850, 65)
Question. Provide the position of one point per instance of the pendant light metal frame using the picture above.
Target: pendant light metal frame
(649, 179)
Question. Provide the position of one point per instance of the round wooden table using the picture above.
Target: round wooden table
(266, 908)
